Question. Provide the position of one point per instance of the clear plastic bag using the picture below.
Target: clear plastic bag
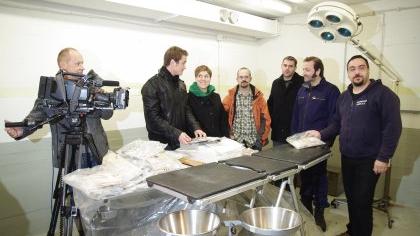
(214, 150)
(300, 140)
(123, 172)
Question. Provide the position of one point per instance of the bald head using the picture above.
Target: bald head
(70, 60)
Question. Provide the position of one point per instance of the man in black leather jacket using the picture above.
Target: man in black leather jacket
(69, 60)
(167, 114)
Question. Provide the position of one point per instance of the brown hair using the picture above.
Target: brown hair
(202, 68)
(173, 53)
(63, 54)
(290, 58)
(317, 64)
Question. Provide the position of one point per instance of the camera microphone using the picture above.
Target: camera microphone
(99, 82)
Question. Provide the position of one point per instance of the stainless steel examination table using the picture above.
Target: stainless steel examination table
(213, 182)
(213, 186)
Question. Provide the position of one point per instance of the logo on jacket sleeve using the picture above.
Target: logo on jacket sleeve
(361, 102)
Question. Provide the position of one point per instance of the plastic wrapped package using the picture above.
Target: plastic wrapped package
(142, 149)
(215, 149)
(300, 140)
(123, 173)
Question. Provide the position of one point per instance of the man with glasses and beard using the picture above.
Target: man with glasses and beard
(313, 110)
(368, 121)
(248, 116)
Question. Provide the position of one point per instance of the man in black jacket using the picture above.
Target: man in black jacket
(167, 114)
(368, 121)
(282, 98)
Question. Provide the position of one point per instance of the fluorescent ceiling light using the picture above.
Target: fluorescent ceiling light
(296, 1)
(163, 4)
(276, 5)
(273, 5)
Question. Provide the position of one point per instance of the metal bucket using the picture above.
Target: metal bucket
(189, 222)
(271, 221)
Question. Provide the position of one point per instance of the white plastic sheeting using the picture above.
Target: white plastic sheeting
(126, 170)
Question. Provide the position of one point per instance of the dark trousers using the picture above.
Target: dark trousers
(315, 185)
(359, 185)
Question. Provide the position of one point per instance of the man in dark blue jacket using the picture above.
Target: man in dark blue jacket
(368, 121)
(313, 110)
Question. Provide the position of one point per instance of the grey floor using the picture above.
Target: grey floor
(406, 222)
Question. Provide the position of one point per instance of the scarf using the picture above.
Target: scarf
(197, 92)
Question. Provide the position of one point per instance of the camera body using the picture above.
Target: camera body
(81, 95)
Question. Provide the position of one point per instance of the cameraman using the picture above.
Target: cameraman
(71, 61)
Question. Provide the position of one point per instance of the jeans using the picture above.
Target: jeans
(359, 182)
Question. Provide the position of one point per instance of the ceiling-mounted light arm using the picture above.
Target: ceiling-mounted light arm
(391, 74)
(337, 22)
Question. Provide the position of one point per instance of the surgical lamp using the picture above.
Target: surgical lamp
(337, 22)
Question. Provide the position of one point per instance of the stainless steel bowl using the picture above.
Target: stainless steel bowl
(271, 221)
(189, 222)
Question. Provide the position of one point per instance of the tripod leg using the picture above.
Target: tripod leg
(56, 207)
(67, 195)
(76, 214)
(91, 145)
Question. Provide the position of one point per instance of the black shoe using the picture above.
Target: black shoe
(307, 202)
(319, 219)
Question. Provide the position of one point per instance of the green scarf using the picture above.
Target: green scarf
(197, 92)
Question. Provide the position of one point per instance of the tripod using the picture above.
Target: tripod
(77, 142)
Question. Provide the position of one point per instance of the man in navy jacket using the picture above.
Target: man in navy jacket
(368, 121)
(313, 110)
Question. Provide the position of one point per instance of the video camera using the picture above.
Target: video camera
(82, 93)
(77, 95)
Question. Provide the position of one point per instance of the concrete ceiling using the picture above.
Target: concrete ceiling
(305, 6)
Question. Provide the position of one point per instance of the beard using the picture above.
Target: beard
(244, 84)
(358, 83)
(310, 78)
